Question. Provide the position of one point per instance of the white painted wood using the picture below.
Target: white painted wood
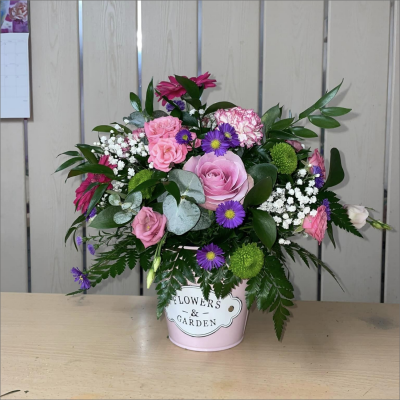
(169, 30)
(14, 269)
(393, 217)
(230, 50)
(358, 51)
(53, 129)
(110, 73)
(292, 76)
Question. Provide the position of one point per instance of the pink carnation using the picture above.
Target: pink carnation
(316, 160)
(223, 178)
(316, 225)
(167, 152)
(247, 124)
(295, 144)
(82, 199)
(164, 127)
(149, 226)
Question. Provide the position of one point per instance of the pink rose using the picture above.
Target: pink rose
(247, 124)
(316, 160)
(165, 152)
(358, 215)
(223, 178)
(295, 144)
(316, 225)
(164, 127)
(136, 133)
(149, 226)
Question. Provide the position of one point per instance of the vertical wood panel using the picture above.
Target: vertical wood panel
(169, 30)
(14, 269)
(110, 73)
(393, 217)
(53, 129)
(358, 51)
(292, 76)
(230, 50)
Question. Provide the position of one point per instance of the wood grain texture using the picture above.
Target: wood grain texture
(393, 216)
(53, 129)
(106, 347)
(14, 269)
(292, 76)
(230, 50)
(109, 74)
(358, 51)
(169, 30)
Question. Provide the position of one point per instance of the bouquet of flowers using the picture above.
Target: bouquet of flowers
(219, 178)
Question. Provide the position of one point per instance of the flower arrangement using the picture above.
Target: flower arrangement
(218, 177)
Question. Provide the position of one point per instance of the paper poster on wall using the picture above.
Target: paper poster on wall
(15, 90)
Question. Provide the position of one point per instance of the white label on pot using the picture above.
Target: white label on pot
(196, 316)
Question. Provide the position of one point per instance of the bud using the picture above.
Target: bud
(358, 215)
(156, 263)
(150, 278)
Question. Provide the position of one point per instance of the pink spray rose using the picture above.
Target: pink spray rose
(295, 144)
(149, 226)
(316, 160)
(136, 133)
(316, 225)
(82, 199)
(165, 152)
(247, 124)
(358, 215)
(223, 177)
(164, 127)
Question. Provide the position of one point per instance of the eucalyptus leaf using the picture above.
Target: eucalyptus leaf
(135, 198)
(207, 217)
(173, 189)
(189, 184)
(323, 122)
(122, 218)
(182, 218)
(270, 116)
(265, 227)
(136, 118)
(162, 197)
(126, 205)
(117, 193)
(114, 200)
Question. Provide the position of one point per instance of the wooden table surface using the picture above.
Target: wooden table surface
(109, 347)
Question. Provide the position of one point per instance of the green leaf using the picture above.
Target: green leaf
(158, 207)
(303, 132)
(282, 135)
(334, 111)
(190, 86)
(336, 173)
(261, 171)
(307, 112)
(259, 193)
(93, 168)
(70, 153)
(177, 113)
(69, 232)
(173, 189)
(68, 163)
(87, 152)
(270, 116)
(123, 127)
(159, 114)
(194, 102)
(323, 122)
(105, 219)
(205, 220)
(136, 118)
(97, 195)
(121, 218)
(80, 219)
(330, 234)
(132, 258)
(103, 128)
(189, 184)
(150, 98)
(282, 124)
(145, 185)
(222, 105)
(189, 120)
(264, 227)
(135, 101)
(326, 98)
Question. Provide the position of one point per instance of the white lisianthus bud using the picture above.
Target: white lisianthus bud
(358, 215)
(156, 263)
(150, 278)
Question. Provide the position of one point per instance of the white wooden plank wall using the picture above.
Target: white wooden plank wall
(292, 74)
(109, 74)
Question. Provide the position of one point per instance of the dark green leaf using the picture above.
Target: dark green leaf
(270, 116)
(326, 98)
(265, 227)
(69, 232)
(189, 120)
(282, 135)
(323, 122)
(159, 114)
(334, 111)
(307, 112)
(68, 163)
(70, 153)
(135, 101)
(177, 113)
(282, 124)
(194, 102)
(225, 105)
(125, 128)
(103, 128)
(303, 132)
(150, 98)
(145, 185)
(336, 173)
(158, 207)
(105, 219)
(173, 189)
(259, 193)
(190, 86)
(80, 219)
(94, 169)
(97, 195)
(87, 152)
(330, 234)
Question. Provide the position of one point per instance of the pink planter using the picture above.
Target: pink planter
(213, 325)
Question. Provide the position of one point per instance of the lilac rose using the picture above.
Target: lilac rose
(223, 178)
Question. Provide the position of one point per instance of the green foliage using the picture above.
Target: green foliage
(149, 98)
(264, 170)
(284, 157)
(270, 116)
(68, 163)
(323, 122)
(105, 219)
(334, 111)
(303, 132)
(140, 177)
(135, 101)
(259, 193)
(225, 105)
(336, 173)
(247, 261)
(265, 227)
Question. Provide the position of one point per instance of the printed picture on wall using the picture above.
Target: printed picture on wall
(14, 16)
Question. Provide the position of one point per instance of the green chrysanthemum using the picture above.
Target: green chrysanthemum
(247, 261)
(284, 157)
(140, 177)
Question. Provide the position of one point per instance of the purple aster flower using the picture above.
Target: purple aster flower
(183, 136)
(79, 240)
(326, 203)
(230, 134)
(215, 142)
(92, 214)
(91, 249)
(81, 278)
(230, 214)
(179, 103)
(319, 181)
(210, 256)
